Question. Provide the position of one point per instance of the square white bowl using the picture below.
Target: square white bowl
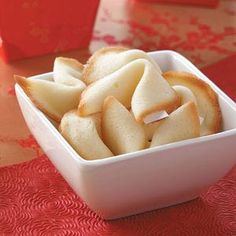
(145, 180)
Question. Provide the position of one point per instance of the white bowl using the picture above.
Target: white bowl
(144, 180)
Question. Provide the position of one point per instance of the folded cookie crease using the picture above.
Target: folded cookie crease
(181, 124)
(68, 71)
(205, 98)
(82, 133)
(54, 99)
(120, 131)
(110, 59)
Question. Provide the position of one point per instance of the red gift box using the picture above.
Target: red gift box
(208, 3)
(35, 27)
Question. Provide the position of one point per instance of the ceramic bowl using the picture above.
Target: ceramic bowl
(145, 180)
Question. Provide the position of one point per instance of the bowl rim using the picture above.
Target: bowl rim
(127, 156)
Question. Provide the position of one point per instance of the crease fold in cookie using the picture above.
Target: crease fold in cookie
(110, 59)
(54, 99)
(185, 94)
(149, 130)
(153, 96)
(82, 134)
(120, 131)
(206, 99)
(181, 124)
(68, 71)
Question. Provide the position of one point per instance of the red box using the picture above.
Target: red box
(35, 27)
(208, 3)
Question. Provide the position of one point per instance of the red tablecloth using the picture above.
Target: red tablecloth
(35, 200)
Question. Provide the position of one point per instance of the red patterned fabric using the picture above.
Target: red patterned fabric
(35, 200)
(203, 35)
(223, 74)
